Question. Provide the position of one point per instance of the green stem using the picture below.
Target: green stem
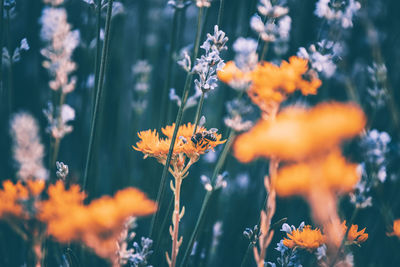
(264, 51)
(99, 89)
(249, 247)
(1, 43)
(185, 94)
(206, 201)
(98, 47)
(10, 67)
(198, 112)
(168, 81)
(220, 12)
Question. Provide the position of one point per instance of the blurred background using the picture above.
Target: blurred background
(139, 47)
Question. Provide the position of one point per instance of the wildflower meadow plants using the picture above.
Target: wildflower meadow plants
(199, 133)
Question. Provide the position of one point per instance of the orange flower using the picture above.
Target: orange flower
(305, 238)
(331, 173)
(298, 133)
(396, 228)
(354, 236)
(233, 76)
(154, 146)
(12, 195)
(60, 200)
(271, 83)
(98, 224)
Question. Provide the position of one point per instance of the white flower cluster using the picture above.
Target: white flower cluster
(377, 92)
(337, 11)
(208, 64)
(277, 24)
(58, 125)
(322, 62)
(16, 55)
(203, 3)
(61, 42)
(246, 57)
(28, 151)
(236, 110)
(141, 72)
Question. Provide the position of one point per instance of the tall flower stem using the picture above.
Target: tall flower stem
(178, 121)
(198, 112)
(206, 200)
(56, 143)
(266, 216)
(168, 80)
(220, 12)
(176, 217)
(98, 46)
(99, 90)
(10, 67)
(1, 43)
(200, 104)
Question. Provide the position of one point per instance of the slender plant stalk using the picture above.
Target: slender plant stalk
(1, 43)
(206, 201)
(220, 12)
(198, 112)
(168, 80)
(98, 47)
(200, 104)
(266, 216)
(99, 90)
(246, 254)
(10, 67)
(264, 51)
(178, 121)
(176, 217)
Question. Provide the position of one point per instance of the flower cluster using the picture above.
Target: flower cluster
(141, 72)
(321, 56)
(353, 235)
(27, 149)
(305, 238)
(209, 63)
(61, 42)
(396, 228)
(16, 55)
(271, 84)
(58, 124)
(375, 146)
(187, 145)
(56, 31)
(310, 139)
(98, 224)
(337, 11)
(16, 199)
(377, 92)
(237, 110)
(277, 25)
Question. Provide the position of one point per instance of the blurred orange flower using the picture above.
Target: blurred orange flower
(298, 133)
(332, 173)
(354, 236)
(12, 195)
(396, 228)
(271, 84)
(305, 238)
(98, 224)
(233, 76)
